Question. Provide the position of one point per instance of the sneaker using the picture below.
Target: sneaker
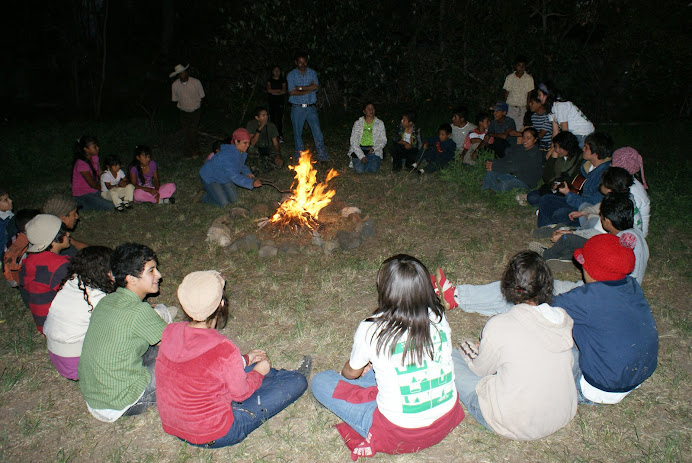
(305, 367)
(446, 290)
(198, 196)
(560, 265)
(540, 248)
(171, 200)
(521, 199)
(166, 313)
(120, 208)
(127, 204)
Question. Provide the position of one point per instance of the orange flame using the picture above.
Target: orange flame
(308, 198)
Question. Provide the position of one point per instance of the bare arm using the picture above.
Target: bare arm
(90, 179)
(350, 373)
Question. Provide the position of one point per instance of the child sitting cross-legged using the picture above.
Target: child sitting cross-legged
(115, 186)
(518, 382)
(437, 152)
(88, 281)
(116, 367)
(477, 138)
(209, 394)
(396, 392)
(44, 268)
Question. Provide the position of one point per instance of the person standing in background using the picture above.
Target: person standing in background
(187, 92)
(517, 87)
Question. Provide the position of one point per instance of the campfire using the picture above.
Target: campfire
(300, 211)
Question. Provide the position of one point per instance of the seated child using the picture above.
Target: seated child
(208, 393)
(477, 138)
(396, 392)
(144, 175)
(226, 169)
(115, 186)
(629, 159)
(407, 143)
(562, 165)
(44, 268)
(500, 128)
(368, 139)
(539, 121)
(552, 210)
(65, 208)
(16, 250)
(518, 382)
(88, 281)
(614, 331)
(460, 126)
(264, 139)
(215, 148)
(85, 176)
(7, 225)
(116, 368)
(519, 168)
(437, 152)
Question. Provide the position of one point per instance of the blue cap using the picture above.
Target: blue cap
(500, 106)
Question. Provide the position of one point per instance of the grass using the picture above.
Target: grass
(311, 302)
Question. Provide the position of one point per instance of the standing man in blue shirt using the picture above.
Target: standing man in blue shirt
(302, 89)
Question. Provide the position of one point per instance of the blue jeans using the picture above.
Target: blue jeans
(148, 398)
(371, 165)
(298, 117)
(488, 300)
(533, 197)
(502, 182)
(279, 389)
(576, 371)
(465, 380)
(358, 416)
(554, 209)
(219, 194)
(94, 202)
(580, 139)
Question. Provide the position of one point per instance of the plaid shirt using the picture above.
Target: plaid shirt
(295, 79)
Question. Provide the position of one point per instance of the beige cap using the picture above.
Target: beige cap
(200, 293)
(41, 231)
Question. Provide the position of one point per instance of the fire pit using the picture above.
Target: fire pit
(300, 211)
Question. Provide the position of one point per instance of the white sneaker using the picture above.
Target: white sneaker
(537, 247)
(521, 199)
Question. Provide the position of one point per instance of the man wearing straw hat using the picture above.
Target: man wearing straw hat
(187, 92)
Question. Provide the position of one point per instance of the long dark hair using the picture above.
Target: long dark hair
(91, 268)
(569, 143)
(83, 142)
(139, 149)
(404, 296)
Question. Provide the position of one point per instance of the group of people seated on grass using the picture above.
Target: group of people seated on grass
(549, 346)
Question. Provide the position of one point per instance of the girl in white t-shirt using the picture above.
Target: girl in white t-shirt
(115, 186)
(89, 280)
(396, 393)
(565, 115)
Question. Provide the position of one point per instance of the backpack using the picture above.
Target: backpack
(13, 258)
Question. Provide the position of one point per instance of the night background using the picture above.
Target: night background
(617, 60)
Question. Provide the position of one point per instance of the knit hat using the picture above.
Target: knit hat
(608, 257)
(59, 205)
(200, 294)
(629, 159)
(241, 134)
(178, 69)
(41, 231)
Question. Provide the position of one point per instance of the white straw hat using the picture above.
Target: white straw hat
(178, 69)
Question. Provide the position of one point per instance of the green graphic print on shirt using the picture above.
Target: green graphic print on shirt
(425, 386)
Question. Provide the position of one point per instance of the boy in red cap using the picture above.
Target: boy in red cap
(614, 331)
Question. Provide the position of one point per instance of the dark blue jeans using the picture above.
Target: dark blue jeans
(554, 209)
(93, 202)
(372, 165)
(279, 389)
(299, 116)
(219, 194)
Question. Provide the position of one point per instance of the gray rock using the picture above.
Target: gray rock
(317, 240)
(266, 252)
(247, 243)
(289, 248)
(330, 247)
(349, 240)
(368, 230)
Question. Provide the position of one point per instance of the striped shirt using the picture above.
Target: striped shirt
(41, 275)
(542, 122)
(122, 327)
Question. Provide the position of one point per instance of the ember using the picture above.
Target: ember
(301, 210)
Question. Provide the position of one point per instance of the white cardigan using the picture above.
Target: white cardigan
(68, 319)
(379, 137)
